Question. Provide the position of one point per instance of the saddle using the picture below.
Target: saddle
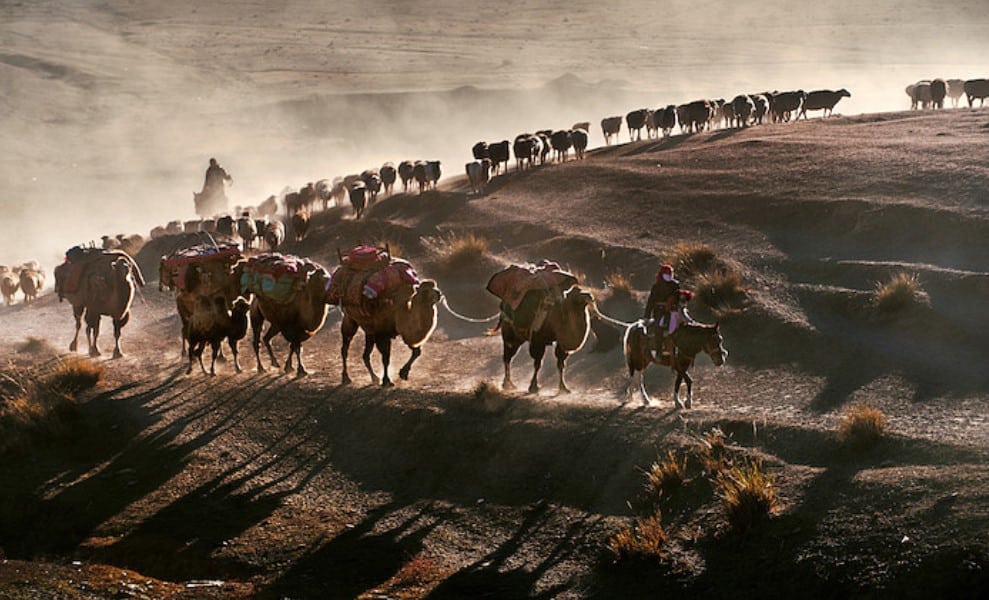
(367, 275)
(174, 269)
(528, 292)
(277, 277)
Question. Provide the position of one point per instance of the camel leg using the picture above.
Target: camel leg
(404, 371)
(288, 361)
(509, 350)
(561, 363)
(77, 312)
(676, 391)
(536, 351)
(642, 388)
(215, 347)
(348, 328)
(273, 330)
(366, 356)
(93, 334)
(233, 350)
(118, 325)
(192, 358)
(257, 322)
(384, 348)
(301, 371)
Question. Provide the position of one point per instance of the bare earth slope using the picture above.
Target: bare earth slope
(303, 488)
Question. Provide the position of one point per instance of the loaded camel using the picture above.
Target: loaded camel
(104, 286)
(297, 319)
(409, 311)
(566, 323)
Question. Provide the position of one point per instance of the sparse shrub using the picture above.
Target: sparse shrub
(721, 289)
(861, 426)
(747, 494)
(644, 540)
(901, 291)
(33, 345)
(713, 451)
(31, 406)
(75, 375)
(691, 258)
(490, 397)
(666, 475)
(463, 251)
(619, 285)
(419, 571)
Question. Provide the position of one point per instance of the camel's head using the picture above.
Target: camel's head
(428, 292)
(578, 296)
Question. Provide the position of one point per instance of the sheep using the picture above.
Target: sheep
(579, 139)
(225, 225)
(696, 115)
(419, 172)
(372, 180)
(433, 173)
(939, 89)
(479, 174)
(636, 120)
(498, 153)
(480, 151)
(211, 323)
(681, 113)
(610, 126)
(388, 176)
(728, 115)
(173, 227)
(247, 230)
(666, 119)
(783, 104)
(10, 282)
(761, 106)
(822, 100)
(976, 88)
(274, 232)
(920, 95)
(32, 281)
(651, 127)
(561, 142)
(743, 107)
(956, 87)
(585, 125)
(405, 172)
(522, 147)
(192, 226)
(300, 225)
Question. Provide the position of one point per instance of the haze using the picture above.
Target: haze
(112, 111)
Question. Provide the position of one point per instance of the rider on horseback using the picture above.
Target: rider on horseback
(662, 301)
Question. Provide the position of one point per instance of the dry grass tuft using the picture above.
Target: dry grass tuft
(861, 426)
(645, 540)
(491, 397)
(747, 493)
(900, 292)
(462, 252)
(619, 285)
(691, 258)
(713, 452)
(721, 289)
(666, 475)
(32, 406)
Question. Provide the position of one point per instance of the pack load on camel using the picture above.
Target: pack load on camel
(278, 277)
(81, 259)
(176, 272)
(527, 292)
(367, 273)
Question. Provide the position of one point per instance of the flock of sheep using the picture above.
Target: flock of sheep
(29, 278)
(931, 93)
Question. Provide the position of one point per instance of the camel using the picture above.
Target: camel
(690, 339)
(106, 288)
(410, 312)
(297, 320)
(10, 282)
(566, 323)
(211, 322)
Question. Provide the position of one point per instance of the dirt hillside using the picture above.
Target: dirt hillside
(262, 484)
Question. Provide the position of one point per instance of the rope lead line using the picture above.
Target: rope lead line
(468, 319)
(597, 313)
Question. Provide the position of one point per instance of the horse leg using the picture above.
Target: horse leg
(118, 325)
(690, 381)
(366, 356)
(642, 388)
(348, 327)
(561, 362)
(536, 351)
(404, 371)
(77, 312)
(384, 347)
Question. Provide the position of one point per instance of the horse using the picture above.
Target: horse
(690, 339)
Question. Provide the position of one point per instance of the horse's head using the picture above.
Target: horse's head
(714, 346)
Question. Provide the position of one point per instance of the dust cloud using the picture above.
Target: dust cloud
(112, 114)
